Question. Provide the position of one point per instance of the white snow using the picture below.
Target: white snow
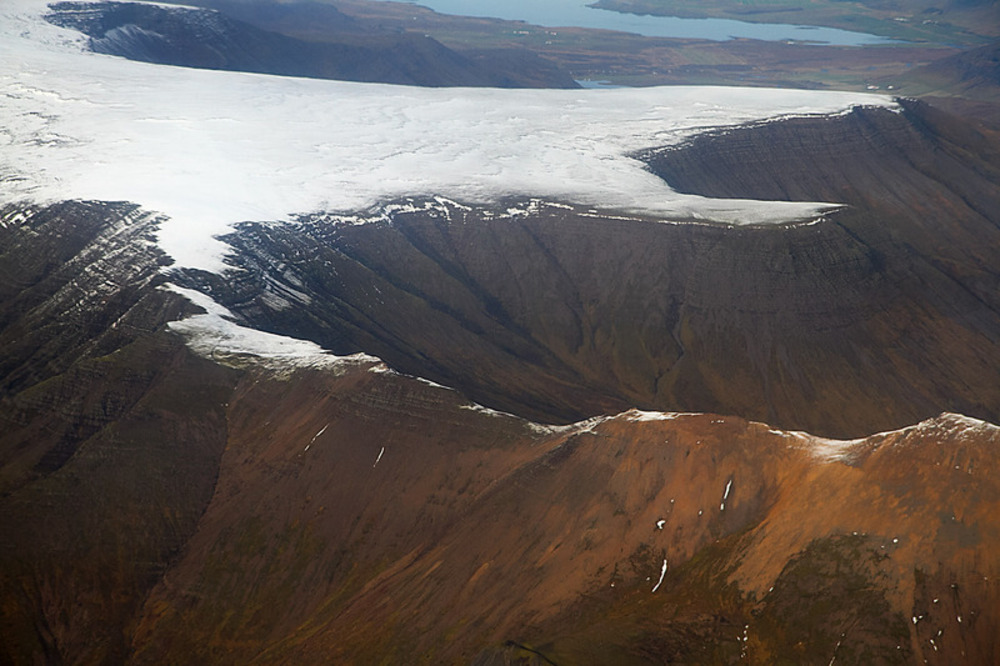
(663, 572)
(216, 336)
(321, 431)
(210, 148)
(537, 428)
(639, 415)
(725, 495)
(946, 424)
(822, 449)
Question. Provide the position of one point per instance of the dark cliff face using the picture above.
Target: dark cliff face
(883, 314)
(110, 432)
(208, 39)
(79, 280)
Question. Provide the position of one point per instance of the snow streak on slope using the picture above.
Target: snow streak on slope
(211, 148)
(215, 335)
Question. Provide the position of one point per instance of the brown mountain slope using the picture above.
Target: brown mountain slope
(442, 533)
(363, 517)
(82, 543)
(974, 74)
(158, 507)
(109, 435)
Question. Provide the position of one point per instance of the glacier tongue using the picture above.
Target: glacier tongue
(210, 148)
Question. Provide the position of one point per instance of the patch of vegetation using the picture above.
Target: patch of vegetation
(829, 603)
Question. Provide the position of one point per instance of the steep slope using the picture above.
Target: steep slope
(78, 282)
(190, 37)
(931, 178)
(133, 443)
(109, 435)
(268, 504)
(442, 533)
(74, 279)
(883, 314)
(360, 516)
(974, 74)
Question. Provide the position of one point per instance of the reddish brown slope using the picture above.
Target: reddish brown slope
(83, 541)
(469, 530)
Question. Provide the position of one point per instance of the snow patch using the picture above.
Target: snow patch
(537, 428)
(946, 425)
(725, 495)
(216, 336)
(640, 415)
(663, 572)
(321, 431)
(957, 426)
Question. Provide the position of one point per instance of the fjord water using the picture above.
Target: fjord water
(577, 13)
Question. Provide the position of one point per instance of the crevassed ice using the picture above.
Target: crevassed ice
(210, 148)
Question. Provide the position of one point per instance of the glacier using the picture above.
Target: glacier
(209, 149)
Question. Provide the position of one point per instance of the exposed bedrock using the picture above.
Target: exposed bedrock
(885, 313)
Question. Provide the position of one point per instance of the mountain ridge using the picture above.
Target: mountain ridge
(209, 39)
(345, 511)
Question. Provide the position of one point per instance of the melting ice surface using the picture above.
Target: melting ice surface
(210, 148)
